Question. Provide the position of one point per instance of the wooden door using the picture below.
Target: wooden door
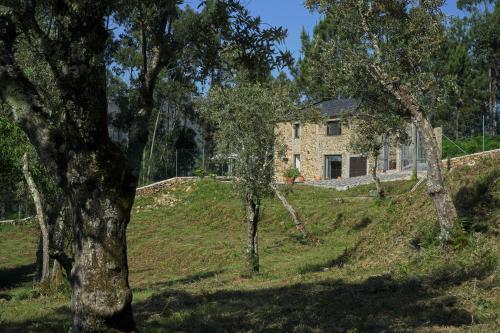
(357, 166)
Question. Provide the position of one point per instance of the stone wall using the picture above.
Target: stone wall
(157, 187)
(469, 159)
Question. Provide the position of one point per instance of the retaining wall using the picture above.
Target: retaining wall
(471, 159)
(156, 187)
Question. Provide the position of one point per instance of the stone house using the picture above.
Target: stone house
(321, 151)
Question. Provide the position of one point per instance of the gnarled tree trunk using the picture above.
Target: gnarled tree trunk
(441, 197)
(446, 212)
(73, 143)
(100, 207)
(252, 252)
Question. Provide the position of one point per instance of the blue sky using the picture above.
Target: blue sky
(292, 15)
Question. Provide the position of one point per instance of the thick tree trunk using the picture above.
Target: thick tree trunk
(100, 208)
(376, 179)
(252, 253)
(293, 214)
(73, 143)
(42, 219)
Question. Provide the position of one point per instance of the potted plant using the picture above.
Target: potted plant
(290, 174)
(301, 178)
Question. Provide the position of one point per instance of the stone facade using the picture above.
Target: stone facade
(313, 145)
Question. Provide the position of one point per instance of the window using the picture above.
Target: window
(296, 131)
(333, 128)
(296, 161)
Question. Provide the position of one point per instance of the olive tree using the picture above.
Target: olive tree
(245, 116)
(390, 45)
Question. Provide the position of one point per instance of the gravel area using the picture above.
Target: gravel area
(344, 184)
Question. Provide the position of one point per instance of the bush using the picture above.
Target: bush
(199, 172)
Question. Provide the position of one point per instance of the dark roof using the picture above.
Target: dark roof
(335, 107)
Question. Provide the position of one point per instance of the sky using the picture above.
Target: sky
(292, 14)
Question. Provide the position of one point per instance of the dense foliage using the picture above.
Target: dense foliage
(461, 66)
(245, 118)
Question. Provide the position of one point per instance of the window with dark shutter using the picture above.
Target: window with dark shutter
(333, 128)
(296, 131)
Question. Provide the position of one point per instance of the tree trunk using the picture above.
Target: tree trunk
(100, 208)
(58, 242)
(252, 253)
(42, 220)
(293, 214)
(74, 145)
(56, 276)
(446, 212)
(414, 152)
(153, 142)
(376, 179)
(39, 259)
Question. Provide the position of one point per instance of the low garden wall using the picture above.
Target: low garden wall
(471, 159)
(157, 187)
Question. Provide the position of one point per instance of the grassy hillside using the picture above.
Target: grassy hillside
(470, 145)
(377, 268)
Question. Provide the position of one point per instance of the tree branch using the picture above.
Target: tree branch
(29, 111)
(48, 48)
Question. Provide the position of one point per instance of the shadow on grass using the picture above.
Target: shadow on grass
(14, 277)
(365, 221)
(338, 262)
(377, 304)
(59, 321)
(473, 202)
(197, 277)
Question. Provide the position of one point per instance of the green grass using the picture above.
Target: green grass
(470, 145)
(377, 266)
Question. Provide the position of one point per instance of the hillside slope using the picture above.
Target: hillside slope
(377, 268)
